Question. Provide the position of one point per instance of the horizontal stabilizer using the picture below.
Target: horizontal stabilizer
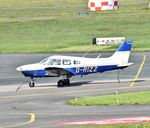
(125, 65)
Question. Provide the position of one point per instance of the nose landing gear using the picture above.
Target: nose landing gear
(31, 83)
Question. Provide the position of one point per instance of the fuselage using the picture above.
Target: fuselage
(73, 65)
(68, 66)
(56, 66)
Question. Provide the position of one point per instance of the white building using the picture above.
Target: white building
(97, 5)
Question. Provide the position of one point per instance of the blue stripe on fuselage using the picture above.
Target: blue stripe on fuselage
(74, 71)
(35, 73)
(90, 69)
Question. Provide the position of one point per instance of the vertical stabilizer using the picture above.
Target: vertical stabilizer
(121, 56)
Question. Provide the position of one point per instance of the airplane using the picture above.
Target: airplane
(67, 66)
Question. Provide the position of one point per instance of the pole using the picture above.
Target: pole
(117, 95)
(118, 76)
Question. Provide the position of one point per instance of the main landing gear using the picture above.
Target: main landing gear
(63, 81)
(31, 83)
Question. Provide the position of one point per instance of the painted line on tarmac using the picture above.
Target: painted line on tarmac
(10, 77)
(85, 113)
(32, 119)
(21, 96)
(139, 71)
(124, 88)
(102, 122)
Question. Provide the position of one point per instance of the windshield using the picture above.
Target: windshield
(44, 61)
(49, 61)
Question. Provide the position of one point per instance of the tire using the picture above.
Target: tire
(60, 83)
(31, 84)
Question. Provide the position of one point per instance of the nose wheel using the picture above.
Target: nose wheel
(31, 83)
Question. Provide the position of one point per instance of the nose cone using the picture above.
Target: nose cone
(30, 67)
(32, 70)
(19, 68)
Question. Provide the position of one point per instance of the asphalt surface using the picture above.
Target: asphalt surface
(9, 63)
(39, 106)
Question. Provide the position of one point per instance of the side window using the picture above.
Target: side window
(57, 62)
(54, 62)
(76, 62)
(66, 62)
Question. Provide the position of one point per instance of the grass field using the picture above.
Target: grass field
(55, 26)
(124, 99)
(134, 125)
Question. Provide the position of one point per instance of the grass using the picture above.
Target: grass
(107, 100)
(55, 26)
(134, 125)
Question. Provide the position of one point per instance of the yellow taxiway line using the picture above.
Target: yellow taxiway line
(32, 119)
(139, 71)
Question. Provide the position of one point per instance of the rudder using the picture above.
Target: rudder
(121, 56)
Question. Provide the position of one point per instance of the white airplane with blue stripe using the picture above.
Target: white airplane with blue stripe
(67, 66)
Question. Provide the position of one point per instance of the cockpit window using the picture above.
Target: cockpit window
(54, 62)
(49, 61)
(66, 62)
(44, 61)
(76, 62)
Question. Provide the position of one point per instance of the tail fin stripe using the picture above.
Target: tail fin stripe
(126, 46)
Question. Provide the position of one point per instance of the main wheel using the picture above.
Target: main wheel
(31, 84)
(60, 83)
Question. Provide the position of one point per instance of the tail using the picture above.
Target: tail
(121, 56)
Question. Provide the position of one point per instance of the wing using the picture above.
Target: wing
(56, 72)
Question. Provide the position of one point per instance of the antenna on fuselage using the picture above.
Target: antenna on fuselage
(85, 54)
(99, 56)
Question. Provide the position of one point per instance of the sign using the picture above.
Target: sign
(104, 41)
(97, 5)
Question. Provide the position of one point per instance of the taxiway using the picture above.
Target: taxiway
(40, 106)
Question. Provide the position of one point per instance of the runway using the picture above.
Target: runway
(39, 106)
